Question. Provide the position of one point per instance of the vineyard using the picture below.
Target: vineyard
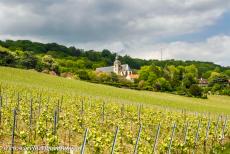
(36, 114)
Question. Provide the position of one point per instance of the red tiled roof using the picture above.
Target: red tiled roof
(134, 76)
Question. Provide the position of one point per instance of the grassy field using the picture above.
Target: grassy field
(29, 78)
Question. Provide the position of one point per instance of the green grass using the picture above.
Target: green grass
(214, 104)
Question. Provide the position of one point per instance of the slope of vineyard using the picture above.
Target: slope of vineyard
(214, 104)
(43, 110)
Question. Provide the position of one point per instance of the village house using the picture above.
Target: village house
(203, 82)
(120, 69)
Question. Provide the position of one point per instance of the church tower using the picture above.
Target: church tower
(117, 66)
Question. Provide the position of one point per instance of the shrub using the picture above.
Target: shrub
(82, 74)
(195, 90)
(6, 58)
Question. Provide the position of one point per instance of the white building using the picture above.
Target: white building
(118, 68)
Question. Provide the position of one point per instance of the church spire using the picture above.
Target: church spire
(116, 57)
(117, 65)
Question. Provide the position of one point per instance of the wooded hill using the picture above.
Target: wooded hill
(72, 57)
(176, 76)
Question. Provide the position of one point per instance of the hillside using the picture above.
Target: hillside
(56, 112)
(33, 79)
(171, 76)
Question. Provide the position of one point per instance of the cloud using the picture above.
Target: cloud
(111, 24)
(213, 49)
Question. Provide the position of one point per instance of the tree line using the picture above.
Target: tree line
(175, 76)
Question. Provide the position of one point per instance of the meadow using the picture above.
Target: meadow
(40, 109)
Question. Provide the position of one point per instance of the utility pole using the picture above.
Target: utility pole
(161, 54)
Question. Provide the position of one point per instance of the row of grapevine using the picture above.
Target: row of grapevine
(44, 117)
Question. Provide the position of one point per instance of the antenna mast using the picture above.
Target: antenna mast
(161, 54)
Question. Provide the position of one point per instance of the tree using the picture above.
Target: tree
(152, 71)
(218, 78)
(188, 80)
(144, 73)
(172, 74)
(216, 87)
(195, 90)
(49, 63)
(81, 63)
(162, 84)
(106, 53)
(181, 71)
(6, 58)
(227, 72)
(157, 70)
(75, 52)
(207, 74)
(151, 78)
(28, 60)
(192, 70)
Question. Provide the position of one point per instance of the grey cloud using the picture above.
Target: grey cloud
(213, 49)
(107, 23)
(87, 20)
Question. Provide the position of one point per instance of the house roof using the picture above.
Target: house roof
(134, 76)
(105, 69)
(203, 81)
(125, 67)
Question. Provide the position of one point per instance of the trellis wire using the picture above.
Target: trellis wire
(31, 112)
(58, 110)
(186, 132)
(69, 136)
(18, 101)
(84, 141)
(0, 110)
(137, 141)
(196, 137)
(82, 107)
(103, 111)
(6, 100)
(1, 99)
(122, 109)
(225, 125)
(114, 140)
(55, 122)
(156, 138)
(26, 99)
(13, 131)
(207, 133)
(47, 107)
(39, 104)
(171, 139)
(61, 102)
(216, 127)
(17, 108)
(139, 112)
(48, 100)
(1, 89)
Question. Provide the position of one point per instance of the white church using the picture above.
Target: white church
(122, 70)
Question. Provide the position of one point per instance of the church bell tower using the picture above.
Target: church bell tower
(117, 66)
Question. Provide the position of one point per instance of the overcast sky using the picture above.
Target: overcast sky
(183, 29)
